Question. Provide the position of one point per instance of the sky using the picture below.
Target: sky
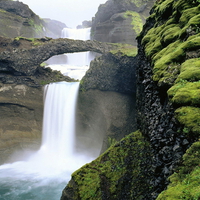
(71, 12)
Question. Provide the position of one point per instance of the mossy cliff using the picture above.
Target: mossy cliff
(168, 88)
(168, 118)
(17, 19)
(122, 172)
(120, 21)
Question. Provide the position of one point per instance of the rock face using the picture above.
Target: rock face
(111, 176)
(120, 21)
(21, 119)
(107, 98)
(17, 19)
(16, 54)
(111, 72)
(167, 104)
(53, 28)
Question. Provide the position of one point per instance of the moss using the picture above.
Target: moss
(173, 53)
(189, 117)
(130, 51)
(170, 35)
(188, 14)
(169, 75)
(137, 21)
(185, 94)
(185, 183)
(139, 3)
(109, 172)
(163, 7)
(190, 70)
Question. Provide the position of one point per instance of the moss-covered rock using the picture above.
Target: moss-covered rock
(176, 34)
(122, 172)
(185, 182)
(120, 21)
(189, 117)
(190, 70)
(185, 93)
(173, 46)
(17, 19)
(171, 42)
(137, 21)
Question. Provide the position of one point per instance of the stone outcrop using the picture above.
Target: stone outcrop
(16, 54)
(111, 176)
(17, 19)
(111, 72)
(21, 119)
(106, 106)
(53, 28)
(167, 96)
(120, 21)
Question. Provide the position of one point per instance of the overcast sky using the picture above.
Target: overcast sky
(71, 12)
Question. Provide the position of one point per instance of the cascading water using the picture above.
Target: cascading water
(45, 173)
(76, 63)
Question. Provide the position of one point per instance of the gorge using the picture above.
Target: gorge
(143, 104)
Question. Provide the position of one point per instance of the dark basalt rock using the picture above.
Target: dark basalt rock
(22, 56)
(111, 72)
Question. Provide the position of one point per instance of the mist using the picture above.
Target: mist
(70, 12)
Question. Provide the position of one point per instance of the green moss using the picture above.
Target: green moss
(189, 117)
(190, 70)
(164, 5)
(185, 183)
(169, 74)
(188, 14)
(139, 3)
(185, 94)
(137, 21)
(130, 51)
(170, 35)
(33, 41)
(109, 172)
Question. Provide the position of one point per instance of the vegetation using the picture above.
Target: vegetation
(127, 160)
(185, 183)
(137, 21)
(128, 50)
(173, 46)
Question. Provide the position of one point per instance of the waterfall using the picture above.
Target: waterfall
(75, 64)
(45, 173)
(82, 58)
(58, 126)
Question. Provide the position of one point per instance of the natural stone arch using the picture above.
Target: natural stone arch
(23, 55)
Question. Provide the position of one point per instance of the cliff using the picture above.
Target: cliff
(17, 19)
(120, 21)
(167, 104)
(144, 107)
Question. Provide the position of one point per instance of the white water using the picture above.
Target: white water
(45, 173)
(77, 63)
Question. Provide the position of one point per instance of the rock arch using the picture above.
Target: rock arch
(23, 55)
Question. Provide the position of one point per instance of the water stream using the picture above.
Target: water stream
(44, 174)
(75, 64)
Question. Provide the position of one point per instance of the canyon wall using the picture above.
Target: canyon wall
(120, 21)
(18, 20)
(167, 103)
